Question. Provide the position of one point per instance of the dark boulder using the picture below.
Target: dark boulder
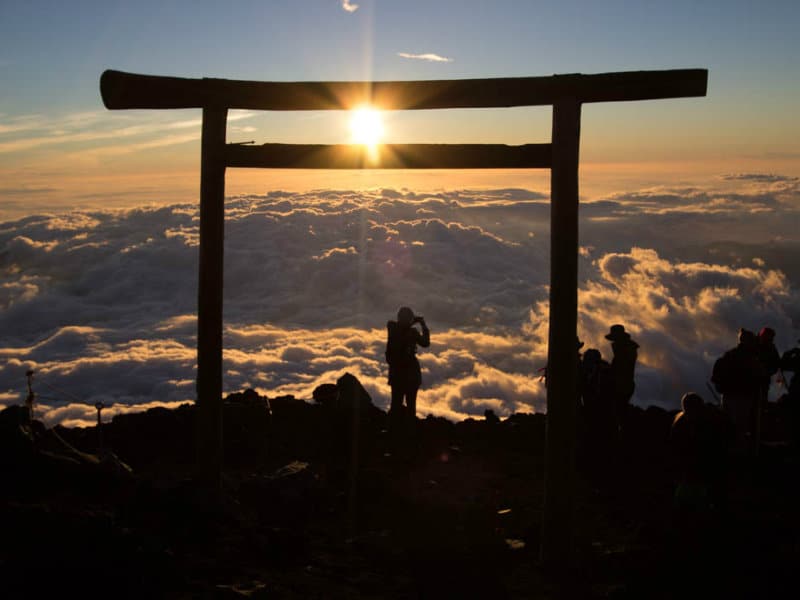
(326, 394)
(353, 397)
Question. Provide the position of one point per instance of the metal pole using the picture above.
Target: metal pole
(100, 406)
(209, 305)
(31, 398)
(562, 363)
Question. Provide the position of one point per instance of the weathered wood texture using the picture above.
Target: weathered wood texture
(562, 354)
(390, 156)
(209, 300)
(127, 90)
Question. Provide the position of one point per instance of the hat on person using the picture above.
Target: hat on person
(618, 333)
(766, 334)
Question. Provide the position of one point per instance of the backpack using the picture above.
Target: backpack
(393, 344)
(723, 375)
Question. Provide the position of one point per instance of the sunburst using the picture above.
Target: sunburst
(366, 126)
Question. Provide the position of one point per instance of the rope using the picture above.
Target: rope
(99, 405)
(63, 393)
(32, 397)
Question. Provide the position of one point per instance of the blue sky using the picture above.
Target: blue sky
(53, 126)
(52, 52)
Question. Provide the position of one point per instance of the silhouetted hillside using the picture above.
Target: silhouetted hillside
(440, 510)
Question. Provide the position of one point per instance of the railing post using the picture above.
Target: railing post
(209, 305)
(562, 364)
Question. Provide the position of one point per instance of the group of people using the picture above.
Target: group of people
(703, 435)
(742, 376)
(605, 389)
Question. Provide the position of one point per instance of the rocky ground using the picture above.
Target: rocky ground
(435, 510)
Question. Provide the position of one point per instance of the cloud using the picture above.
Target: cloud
(760, 177)
(101, 304)
(429, 56)
(21, 123)
(159, 142)
(349, 6)
(26, 190)
(89, 128)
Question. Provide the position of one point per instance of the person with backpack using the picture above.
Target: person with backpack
(699, 438)
(623, 365)
(739, 376)
(790, 362)
(405, 375)
(599, 423)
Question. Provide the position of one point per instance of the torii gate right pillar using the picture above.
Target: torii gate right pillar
(562, 362)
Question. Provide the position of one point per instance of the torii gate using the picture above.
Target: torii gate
(566, 93)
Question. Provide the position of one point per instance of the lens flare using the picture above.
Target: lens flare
(366, 126)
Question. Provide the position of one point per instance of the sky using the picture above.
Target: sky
(689, 218)
(60, 146)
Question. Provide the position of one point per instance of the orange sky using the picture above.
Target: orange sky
(125, 158)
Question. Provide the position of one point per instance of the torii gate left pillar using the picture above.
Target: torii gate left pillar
(208, 429)
(565, 93)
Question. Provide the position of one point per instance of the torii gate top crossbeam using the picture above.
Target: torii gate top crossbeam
(126, 90)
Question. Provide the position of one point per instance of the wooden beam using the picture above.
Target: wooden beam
(390, 156)
(562, 360)
(128, 90)
(209, 301)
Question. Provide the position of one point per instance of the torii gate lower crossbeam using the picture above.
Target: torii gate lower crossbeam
(566, 93)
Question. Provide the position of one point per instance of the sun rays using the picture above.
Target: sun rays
(366, 126)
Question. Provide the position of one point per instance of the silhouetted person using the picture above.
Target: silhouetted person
(596, 383)
(739, 375)
(597, 401)
(700, 438)
(790, 361)
(768, 354)
(623, 365)
(405, 375)
(770, 359)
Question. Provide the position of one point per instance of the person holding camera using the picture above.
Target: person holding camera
(405, 375)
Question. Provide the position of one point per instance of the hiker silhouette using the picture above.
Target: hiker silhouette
(739, 375)
(700, 437)
(597, 389)
(770, 359)
(623, 365)
(405, 376)
(598, 423)
(790, 362)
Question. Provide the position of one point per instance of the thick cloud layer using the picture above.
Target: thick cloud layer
(102, 304)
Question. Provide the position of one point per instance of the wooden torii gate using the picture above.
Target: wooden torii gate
(566, 94)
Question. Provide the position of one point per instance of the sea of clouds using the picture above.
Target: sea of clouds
(101, 304)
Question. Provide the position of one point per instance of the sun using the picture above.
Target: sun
(366, 126)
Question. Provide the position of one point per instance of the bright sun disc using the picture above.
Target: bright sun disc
(366, 126)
